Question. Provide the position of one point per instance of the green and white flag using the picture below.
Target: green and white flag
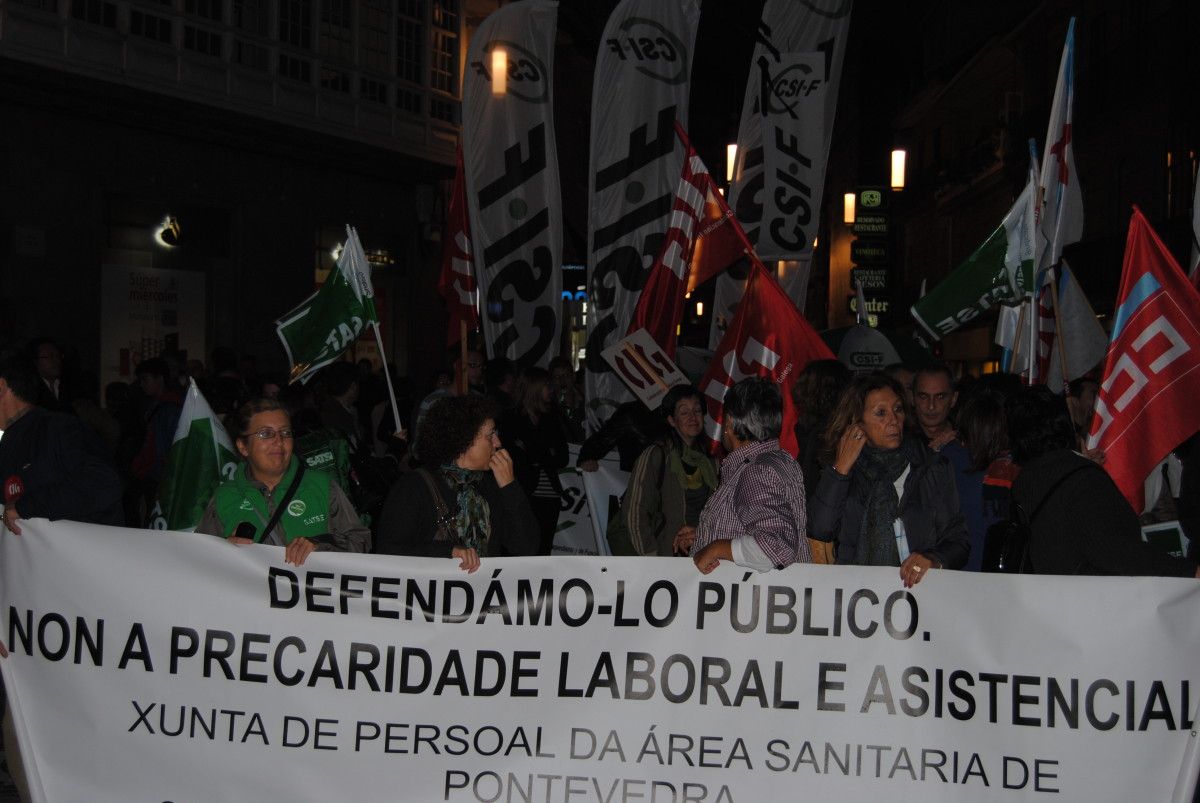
(324, 325)
(998, 272)
(201, 456)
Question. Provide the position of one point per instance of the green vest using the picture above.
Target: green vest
(307, 515)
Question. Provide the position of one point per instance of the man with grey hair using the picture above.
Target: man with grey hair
(756, 517)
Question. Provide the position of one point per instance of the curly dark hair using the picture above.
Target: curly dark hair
(450, 426)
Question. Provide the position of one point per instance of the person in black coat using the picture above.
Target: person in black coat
(537, 439)
(479, 509)
(52, 466)
(1080, 523)
(878, 480)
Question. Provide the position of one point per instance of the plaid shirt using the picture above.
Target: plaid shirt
(761, 496)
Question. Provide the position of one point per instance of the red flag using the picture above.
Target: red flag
(1147, 401)
(702, 240)
(767, 337)
(457, 281)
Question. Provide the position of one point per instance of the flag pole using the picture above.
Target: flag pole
(1016, 346)
(387, 378)
(1058, 338)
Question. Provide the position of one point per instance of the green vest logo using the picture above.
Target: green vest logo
(296, 507)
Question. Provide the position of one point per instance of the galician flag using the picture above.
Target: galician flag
(1061, 220)
(996, 272)
(324, 325)
(201, 457)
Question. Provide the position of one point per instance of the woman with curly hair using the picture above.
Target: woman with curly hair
(463, 503)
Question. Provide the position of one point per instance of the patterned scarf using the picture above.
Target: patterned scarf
(879, 468)
(474, 521)
(684, 463)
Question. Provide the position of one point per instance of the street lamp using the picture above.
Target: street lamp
(848, 208)
(898, 156)
(730, 158)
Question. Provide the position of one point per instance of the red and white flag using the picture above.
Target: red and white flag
(767, 337)
(1147, 401)
(702, 239)
(457, 281)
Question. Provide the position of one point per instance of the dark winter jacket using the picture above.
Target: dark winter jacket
(1085, 525)
(928, 508)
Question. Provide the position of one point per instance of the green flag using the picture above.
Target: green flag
(324, 325)
(201, 456)
(996, 273)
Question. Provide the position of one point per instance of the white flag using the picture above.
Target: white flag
(511, 169)
(1061, 220)
(640, 90)
(783, 141)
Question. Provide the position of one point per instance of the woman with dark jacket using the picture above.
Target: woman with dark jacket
(886, 500)
(538, 441)
(1079, 521)
(465, 502)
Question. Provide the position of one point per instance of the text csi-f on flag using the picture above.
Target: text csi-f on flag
(201, 456)
(1147, 400)
(767, 337)
(510, 163)
(324, 325)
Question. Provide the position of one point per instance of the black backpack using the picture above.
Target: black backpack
(1006, 544)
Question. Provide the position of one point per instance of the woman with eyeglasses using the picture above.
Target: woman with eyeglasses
(273, 499)
(464, 503)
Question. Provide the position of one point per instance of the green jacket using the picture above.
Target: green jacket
(245, 499)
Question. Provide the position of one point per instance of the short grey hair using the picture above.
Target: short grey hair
(754, 409)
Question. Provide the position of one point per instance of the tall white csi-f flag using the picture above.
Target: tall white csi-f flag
(783, 141)
(511, 165)
(639, 91)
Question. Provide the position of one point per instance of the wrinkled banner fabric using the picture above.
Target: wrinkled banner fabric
(150, 665)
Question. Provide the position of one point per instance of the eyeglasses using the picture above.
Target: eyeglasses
(268, 434)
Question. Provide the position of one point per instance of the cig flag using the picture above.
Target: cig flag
(702, 240)
(456, 284)
(768, 337)
(640, 89)
(1147, 400)
(510, 162)
(324, 325)
(201, 456)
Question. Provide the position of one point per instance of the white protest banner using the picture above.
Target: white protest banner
(510, 161)
(640, 90)
(644, 367)
(152, 666)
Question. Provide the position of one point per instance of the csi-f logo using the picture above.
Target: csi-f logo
(792, 83)
(659, 53)
(528, 79)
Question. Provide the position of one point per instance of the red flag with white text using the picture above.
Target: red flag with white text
(703, 238)
(1147, 400)
(456, 284)
(767, 337)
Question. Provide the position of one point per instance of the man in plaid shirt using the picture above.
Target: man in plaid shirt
(756, 516)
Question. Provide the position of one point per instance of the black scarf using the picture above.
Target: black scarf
(879, 469)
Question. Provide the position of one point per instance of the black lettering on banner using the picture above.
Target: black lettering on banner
(136, 649)
(289, 594)
(517, 171)
(641, 151)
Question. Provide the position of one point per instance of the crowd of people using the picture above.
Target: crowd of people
(911, 467)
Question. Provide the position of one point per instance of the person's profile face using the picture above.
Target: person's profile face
(478, 456)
